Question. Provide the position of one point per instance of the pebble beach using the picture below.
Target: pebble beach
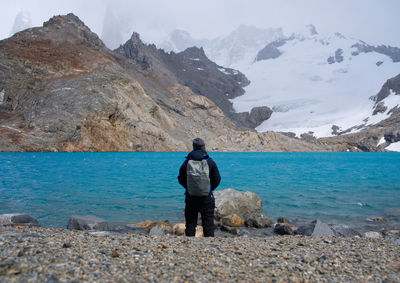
(40, 254)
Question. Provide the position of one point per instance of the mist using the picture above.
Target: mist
(373, 21)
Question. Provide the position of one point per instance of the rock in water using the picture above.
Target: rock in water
(18, 218)
(243, 204)
(316, 227)
(87, 222)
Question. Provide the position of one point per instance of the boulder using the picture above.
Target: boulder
(87, 222)
(316, 227)
(243, 204)
(373, 235)
(18, 218)
(259, 220)
(232, 221)
(284, 229)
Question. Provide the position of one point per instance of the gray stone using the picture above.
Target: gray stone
(18, 218)
(243, 204)
(322, 228)
(258, 220)
(87, 222)
(344, 230)
(315, 227)
(158, 231)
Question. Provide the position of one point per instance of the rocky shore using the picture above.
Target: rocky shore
(248, 247)
(37, 254)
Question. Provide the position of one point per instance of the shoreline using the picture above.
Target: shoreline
(61, 255)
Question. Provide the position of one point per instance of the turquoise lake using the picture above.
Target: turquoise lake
(131, 187)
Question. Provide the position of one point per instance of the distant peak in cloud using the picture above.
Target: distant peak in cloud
(22, 21)
(312, 29)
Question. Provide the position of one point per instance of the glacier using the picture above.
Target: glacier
(314, 83)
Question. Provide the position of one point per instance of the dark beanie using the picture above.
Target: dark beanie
(198, 143)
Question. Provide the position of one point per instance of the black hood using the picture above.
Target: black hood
(197, 154)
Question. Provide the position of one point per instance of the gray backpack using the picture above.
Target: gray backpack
(198, 178)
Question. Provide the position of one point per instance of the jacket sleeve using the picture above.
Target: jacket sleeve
(215, 177)
(182, 175)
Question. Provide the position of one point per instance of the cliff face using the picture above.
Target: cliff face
(193, 69)
(61, 89)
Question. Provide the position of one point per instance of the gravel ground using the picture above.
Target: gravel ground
(57, 255)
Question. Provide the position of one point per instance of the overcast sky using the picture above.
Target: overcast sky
(374, 21)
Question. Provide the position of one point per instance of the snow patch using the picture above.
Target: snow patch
(2, 94)
(394, 147)
(200, 69)
(223, 70)
(381, 141)
(194, 59)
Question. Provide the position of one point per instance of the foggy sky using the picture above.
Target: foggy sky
(374, 21)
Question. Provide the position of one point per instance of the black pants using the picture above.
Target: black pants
(207, 218)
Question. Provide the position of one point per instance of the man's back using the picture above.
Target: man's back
(190, 178)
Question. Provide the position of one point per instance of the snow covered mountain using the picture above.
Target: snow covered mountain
(316, 84)
(319, 85)
(241, 45)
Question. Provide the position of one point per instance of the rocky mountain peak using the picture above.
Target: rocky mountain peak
(61, 21)
(312, 29)
(68, 28)
(135, 38)
(194, 53)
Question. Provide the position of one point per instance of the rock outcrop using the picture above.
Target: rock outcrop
(190, 68)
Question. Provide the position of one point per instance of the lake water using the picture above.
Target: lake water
(130, 187)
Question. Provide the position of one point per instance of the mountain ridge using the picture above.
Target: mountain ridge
(61, 89)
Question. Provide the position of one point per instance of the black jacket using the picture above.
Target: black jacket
(215, 177)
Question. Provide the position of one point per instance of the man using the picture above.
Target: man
(199, 175)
